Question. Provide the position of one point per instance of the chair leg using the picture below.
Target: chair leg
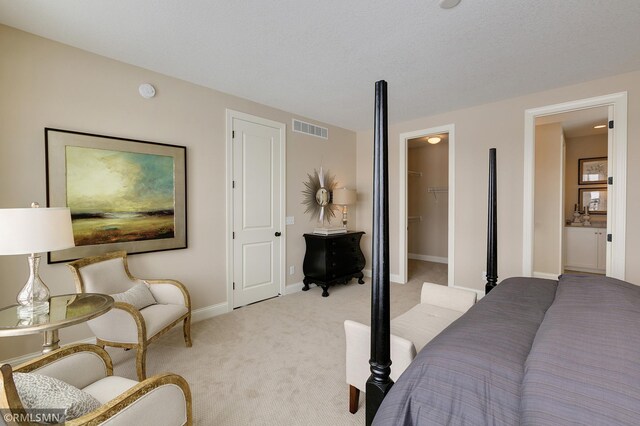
(186, 329)
(141, 362)
(354, 396)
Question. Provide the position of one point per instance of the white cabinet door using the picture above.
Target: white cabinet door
(585, 249)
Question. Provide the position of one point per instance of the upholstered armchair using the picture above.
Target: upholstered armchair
(128, 326)
(87, 369)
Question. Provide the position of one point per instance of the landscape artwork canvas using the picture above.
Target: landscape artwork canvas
(119, 196)
(123, 194)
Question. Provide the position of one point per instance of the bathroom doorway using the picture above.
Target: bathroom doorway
(572, 168)
(575, 163)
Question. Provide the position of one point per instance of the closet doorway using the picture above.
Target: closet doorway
(426, 223)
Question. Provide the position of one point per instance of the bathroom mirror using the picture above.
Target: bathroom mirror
(593, 198)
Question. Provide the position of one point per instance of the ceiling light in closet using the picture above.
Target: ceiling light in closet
(434, 140)
(448, 4)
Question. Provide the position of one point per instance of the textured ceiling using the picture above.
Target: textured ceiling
(321, 58)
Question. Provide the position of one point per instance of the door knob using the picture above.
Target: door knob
(278, 234)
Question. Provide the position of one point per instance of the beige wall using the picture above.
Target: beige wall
(500, 125)
(47, 84)
(428, 237)
(547, 214)
(581, 147)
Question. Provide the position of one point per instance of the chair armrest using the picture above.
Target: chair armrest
(358, 340)
(170, 292)
(403, 351)
(9, 399)
(162, 399)
(122, 324)
(357, 353)
(79, 365)
(456, 299)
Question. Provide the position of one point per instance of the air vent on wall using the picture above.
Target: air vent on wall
(310, 129)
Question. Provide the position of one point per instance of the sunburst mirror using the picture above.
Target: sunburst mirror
(317, 196)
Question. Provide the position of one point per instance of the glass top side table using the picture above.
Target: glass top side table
(64, 310)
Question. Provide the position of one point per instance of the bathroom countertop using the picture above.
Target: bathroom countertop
(593, 225)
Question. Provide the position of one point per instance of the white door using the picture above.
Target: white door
(613, 168)
(256, 211)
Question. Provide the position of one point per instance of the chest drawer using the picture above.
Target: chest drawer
(330, 259)
(344, 245)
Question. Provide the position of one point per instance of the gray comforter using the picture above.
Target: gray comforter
(528, 354)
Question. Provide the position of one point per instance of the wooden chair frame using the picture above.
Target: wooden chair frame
(143, 342)
(9, 399)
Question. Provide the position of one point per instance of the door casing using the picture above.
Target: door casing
(617, 207)
(402, 202)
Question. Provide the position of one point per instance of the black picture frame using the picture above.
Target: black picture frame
(593, 197)
(124, 194)
(592, 171)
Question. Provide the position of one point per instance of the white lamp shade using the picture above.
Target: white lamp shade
(344, 196)
(35, 230)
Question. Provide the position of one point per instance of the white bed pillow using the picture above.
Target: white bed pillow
(139, 296)
(41, 392)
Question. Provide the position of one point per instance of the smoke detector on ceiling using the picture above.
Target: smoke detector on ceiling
(448, 4)
(147, 91)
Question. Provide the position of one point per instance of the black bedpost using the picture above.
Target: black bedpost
(379, 382)
(492, 229)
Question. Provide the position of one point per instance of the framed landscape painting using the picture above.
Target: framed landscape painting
(123, 194)
(592, 171)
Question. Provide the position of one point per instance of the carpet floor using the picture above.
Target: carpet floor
(277, 362)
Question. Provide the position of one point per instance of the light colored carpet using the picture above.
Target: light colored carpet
(277, 362)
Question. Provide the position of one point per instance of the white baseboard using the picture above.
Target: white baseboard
(292, 288)
(427, 258)
(24, 358)
(207, 312)
(545, 275)
(580, 269)
(394, 278)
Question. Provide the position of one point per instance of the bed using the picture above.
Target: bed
(531, 352)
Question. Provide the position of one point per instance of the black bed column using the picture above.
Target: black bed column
(379, 382)
(492, 227)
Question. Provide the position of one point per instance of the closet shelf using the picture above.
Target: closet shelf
(415, 218)
(435, 190)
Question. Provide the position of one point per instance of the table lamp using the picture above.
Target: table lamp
(33, 231)
(344, 197)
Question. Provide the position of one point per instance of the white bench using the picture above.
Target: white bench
(439, 306)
